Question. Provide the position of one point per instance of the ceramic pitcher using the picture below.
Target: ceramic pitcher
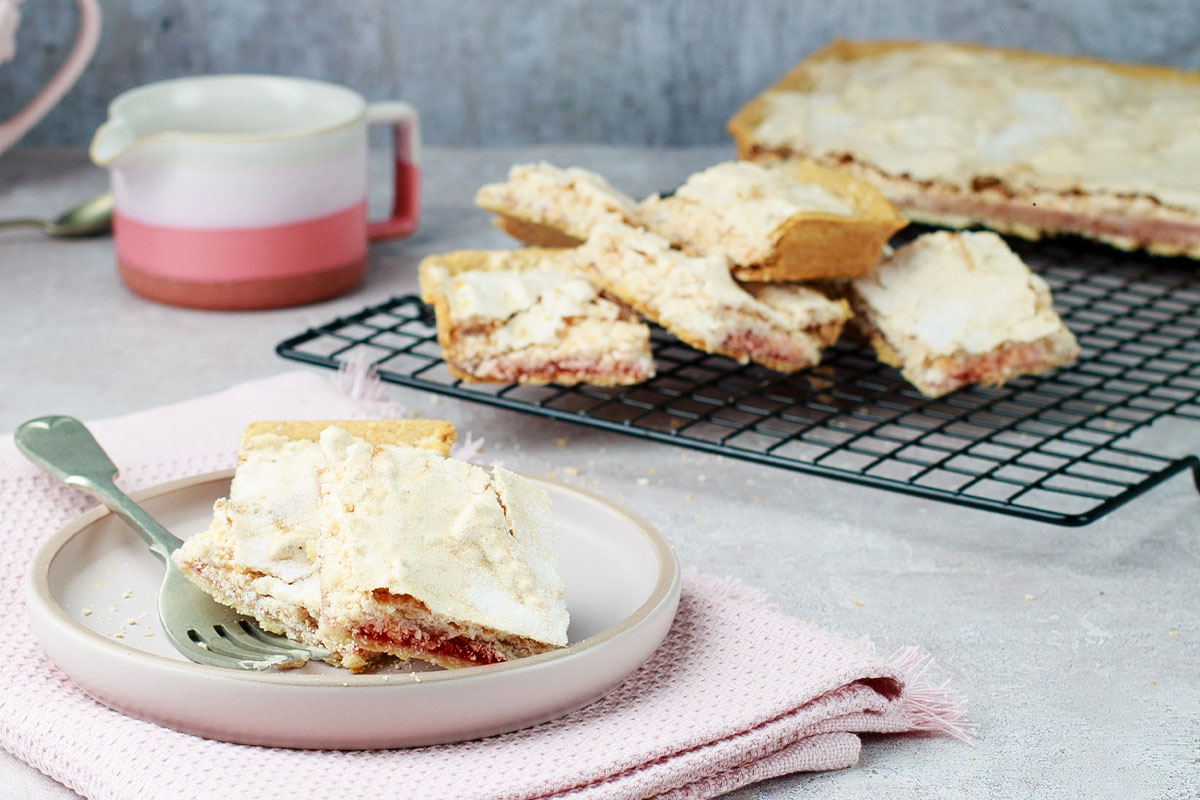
(249, 191)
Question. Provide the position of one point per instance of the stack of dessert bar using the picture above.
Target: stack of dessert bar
(762, 263)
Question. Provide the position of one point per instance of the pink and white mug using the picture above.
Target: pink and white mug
(249, 191)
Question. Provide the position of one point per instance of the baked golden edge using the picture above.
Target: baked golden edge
(817, 246)
(742, 124)
(535, 234)
(428, 434)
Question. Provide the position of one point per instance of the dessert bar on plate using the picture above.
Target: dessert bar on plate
(259, 554)
(1024, 143)
(951, 309)
(793, 222)
(548, 206)
(433, 558)
(529, 316)
(303, 545)
(622, 586)
(781, 326)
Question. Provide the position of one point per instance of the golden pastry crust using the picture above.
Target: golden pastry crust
(809, 244)
(428, 434)
(534, 234)
(1028, 194)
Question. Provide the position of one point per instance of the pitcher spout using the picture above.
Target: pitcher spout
(112, 140)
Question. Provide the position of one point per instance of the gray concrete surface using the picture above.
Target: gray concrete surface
(637, 72)
(1077, 649)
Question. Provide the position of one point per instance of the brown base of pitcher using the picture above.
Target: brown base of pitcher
(244, 295)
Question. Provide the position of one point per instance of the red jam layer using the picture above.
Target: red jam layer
(387, 635)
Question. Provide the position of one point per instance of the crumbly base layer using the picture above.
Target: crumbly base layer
(602, 369)
(939, 375)
(233, 587)
(403, 627)
(600, 352)
(565, 332)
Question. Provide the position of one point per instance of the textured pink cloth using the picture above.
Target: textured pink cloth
(738, 692)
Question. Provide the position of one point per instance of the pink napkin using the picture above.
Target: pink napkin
(738, 693)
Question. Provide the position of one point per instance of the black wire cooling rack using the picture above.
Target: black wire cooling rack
(1054, 447)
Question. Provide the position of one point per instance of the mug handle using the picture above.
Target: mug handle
(81, 53)
(406, 152)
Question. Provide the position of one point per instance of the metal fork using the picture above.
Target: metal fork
(202, 629)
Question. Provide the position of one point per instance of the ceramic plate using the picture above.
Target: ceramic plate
(92, 602)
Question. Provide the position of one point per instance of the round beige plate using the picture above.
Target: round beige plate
(92, 602)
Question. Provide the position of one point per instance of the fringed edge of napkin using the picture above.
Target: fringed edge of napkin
(933, 708)
(919, 706)
(927, 707)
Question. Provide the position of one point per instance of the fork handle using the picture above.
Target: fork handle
(65, 449)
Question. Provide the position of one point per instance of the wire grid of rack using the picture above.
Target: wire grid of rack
(1053, 447)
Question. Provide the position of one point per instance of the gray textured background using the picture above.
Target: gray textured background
(483, 72)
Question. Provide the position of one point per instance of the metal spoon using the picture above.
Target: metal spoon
(86, 219)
